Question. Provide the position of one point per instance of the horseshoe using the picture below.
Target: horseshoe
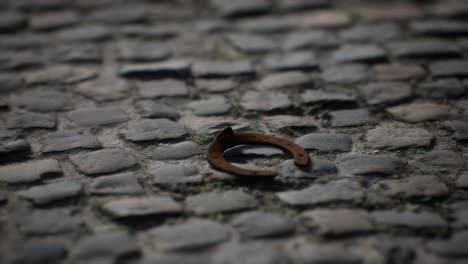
(227, 139)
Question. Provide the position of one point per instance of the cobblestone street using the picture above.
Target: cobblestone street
(107, 108)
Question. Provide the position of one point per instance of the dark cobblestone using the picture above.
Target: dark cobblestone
(218, 202)
(283, 80)
(30, 171)
(398, 72)
(97, 116)
(452, 247)
(263, 101)
(409, 219)
(110, 244)
(174, 68)
(386, 92)
(67, 140)
(258, 224)
(353, 117)
(154, 129)
(425, 186)
(36, 252)
(419, 112)
(370, 33)
(337, 222)
(325, 142)
(333, 191)
(44, 194)
(51, 221)
(441, 161)
(180, 150)
(359, 53)
(309, 252)
(110, 160)
(424, 47)
(395, 138)
(121, 183)
(316, 167)
(442, 88)
(193, 234)
(222, 68)
(25, 120)
(345, 74)
(176, 174)
(309, 39)
(250, 254)
(370, 165)
(449, 68)
(152, 109)
(460, 129)
(12, 143)
(132, 207)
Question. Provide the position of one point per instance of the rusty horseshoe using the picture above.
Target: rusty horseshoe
(227, 139)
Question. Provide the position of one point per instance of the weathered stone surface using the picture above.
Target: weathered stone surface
(107, 87)
(121, 183)
(398, 72)
(309, 39)
(219, 202)
(23, 41)
(88, 33)
(86, 53)
(121, 14)
(408, 219)
(51, 221)
(180, 150)
(423, 186)
(68, 140)
(322, 19)
(172, 68)
(60, 74)
(258, 224)
(9, 82)
(460, 128)
(44, 194)
(462, 181)
(316, 167)
(386, 92)
(109, 244)
(249, 43)
(143, 51)
(442, 89)
(154, 129)
(455, 246)
(395, 138)
(449, 68)
(302, 4)
(215, 85)
(162, 88)
(152, 109)
(12, 143)
(36, 252)
(334, 191)
(438, 161)
(371, 33)
(218, 68)
(323, 97)
(460, 213)
(299, 60)
(250, 254)
(30, 171)
(287, 121)
(440, 27)
(420, 112)
(309, 252)
(103, 161)
(283, 80)
(265, 101)
(423, 47)
(397, 11)
(134, 207)
(175, 257)
(26, 120)
(265, 25)
(242, 7)
(352, 117)
(369, 165)
(176, 174)
(214, 105)
(337, 222)
(345, 74)
(324, 142)
(97, 116)
(11, 21)
(193, 234)
(359, 53)
(30, 5)
(54, 20)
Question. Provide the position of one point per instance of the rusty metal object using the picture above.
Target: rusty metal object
(228, 139)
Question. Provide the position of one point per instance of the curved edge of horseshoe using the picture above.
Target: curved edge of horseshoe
(227, 139)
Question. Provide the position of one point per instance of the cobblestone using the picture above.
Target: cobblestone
(110, 160)
(218, 202)
(193, 234)
(107, 109)
(44, 194)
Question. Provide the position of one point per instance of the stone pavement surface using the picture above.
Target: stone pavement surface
(107, 108)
